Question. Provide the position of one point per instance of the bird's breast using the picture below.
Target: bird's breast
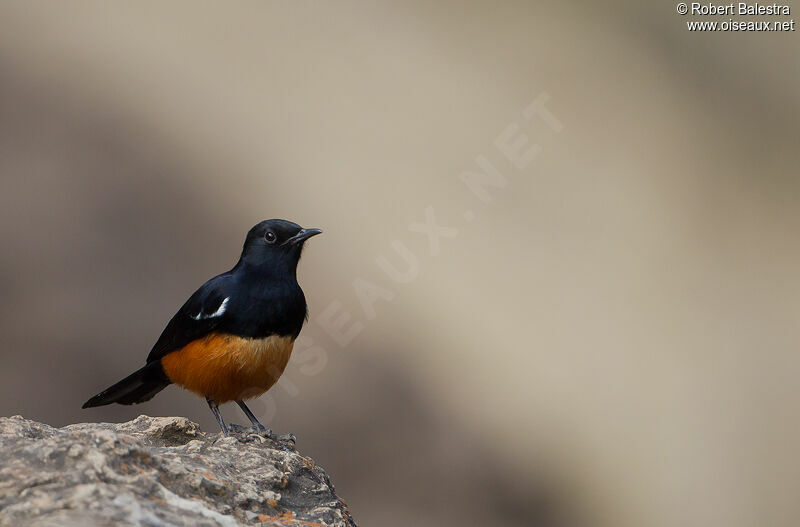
(226, 367)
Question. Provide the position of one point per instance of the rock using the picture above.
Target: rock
(157, 471)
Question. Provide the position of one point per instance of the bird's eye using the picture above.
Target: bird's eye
(270, 237)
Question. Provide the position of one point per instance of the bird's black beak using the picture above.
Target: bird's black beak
(302, 236)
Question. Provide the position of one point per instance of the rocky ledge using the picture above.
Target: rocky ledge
(157, 471)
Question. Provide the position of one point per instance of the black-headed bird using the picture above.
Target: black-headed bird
(232, 339)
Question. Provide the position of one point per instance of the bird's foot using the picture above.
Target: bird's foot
(266, 432)
(259, 433)
(257, 437)
(262, 430)
(286, 438)
(252, 438)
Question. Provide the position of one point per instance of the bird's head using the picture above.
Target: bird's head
(275, 246)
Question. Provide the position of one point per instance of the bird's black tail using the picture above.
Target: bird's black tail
(138, 387)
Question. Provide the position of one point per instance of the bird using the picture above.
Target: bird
(231, 340)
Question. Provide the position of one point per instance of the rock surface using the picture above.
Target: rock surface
(157, 471)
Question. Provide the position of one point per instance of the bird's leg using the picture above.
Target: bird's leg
(215, 409)
(261, 429)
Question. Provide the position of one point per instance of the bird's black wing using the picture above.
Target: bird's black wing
(199, 316)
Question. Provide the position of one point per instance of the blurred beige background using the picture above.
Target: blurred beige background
(610, 341)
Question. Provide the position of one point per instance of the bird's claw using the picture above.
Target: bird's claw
(258, 433)
(266, 432)
(262, 430)
(252, 438)
(287, 437)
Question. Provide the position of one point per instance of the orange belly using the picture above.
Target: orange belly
(229, 368)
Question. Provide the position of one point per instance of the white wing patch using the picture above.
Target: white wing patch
(218, 313)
